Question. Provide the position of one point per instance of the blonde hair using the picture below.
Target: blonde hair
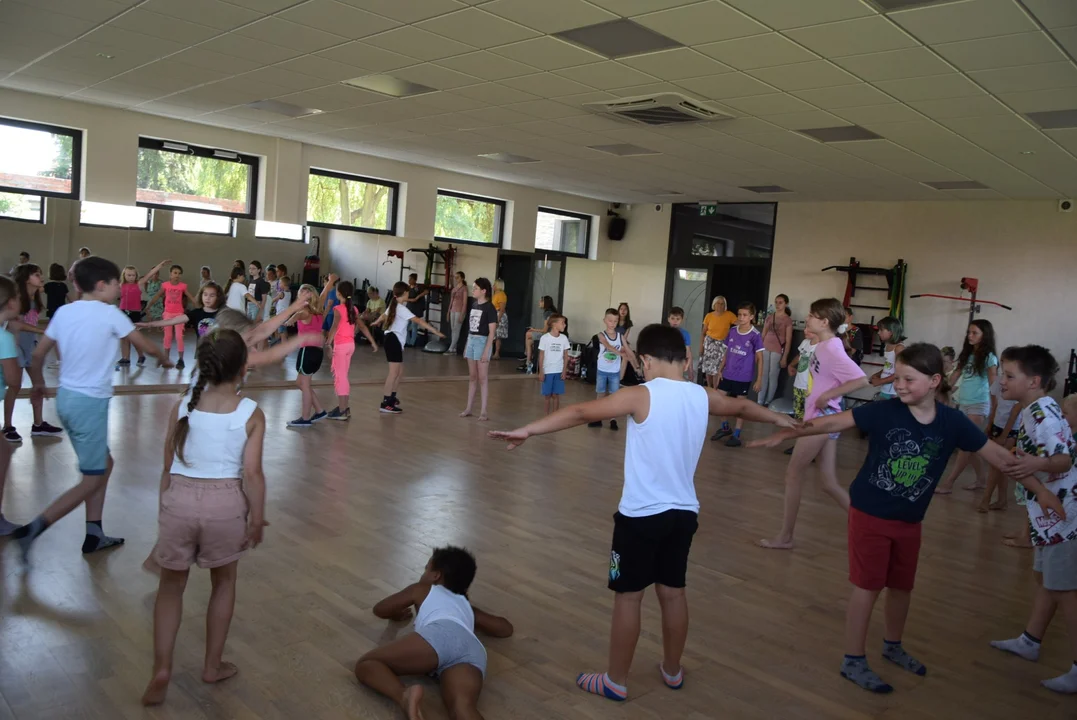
(313, 305)
(229, 319)
(719, 299)
(499, 285)
(123, 273)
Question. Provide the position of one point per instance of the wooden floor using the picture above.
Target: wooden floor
(355, 509)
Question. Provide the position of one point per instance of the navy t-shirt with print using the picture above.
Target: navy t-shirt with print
(905, 458)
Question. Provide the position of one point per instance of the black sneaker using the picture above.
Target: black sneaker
(395, 401)
(596, 423)
(319, 416)
(733, 442)
(613, 425)
(720, 434)
(44, 429)
(387, 406)
(338, 414)
(12, 435)
(180, 364)
(123, 362)
(141, 360)
(300, 423)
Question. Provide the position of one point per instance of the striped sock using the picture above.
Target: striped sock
(673, 682)
(600, 684)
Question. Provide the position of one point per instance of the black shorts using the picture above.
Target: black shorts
(134, 316)
(309, 360)
(996, 432)
(651, 549)
(735, 388)
(393, 352)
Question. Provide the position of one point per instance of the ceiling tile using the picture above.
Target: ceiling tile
(17, 18)
(977, 106)
(810, 120)
(1068, 38)
(266, 7)
(703, 22)
(1041, 100)
(649, 89)
(548, 53)
(125, 40)
(203, 57)
(487, 66)
(786, 14)
(415, 42)
(285, 79)
(1053, 13)
(757, 51)
(676, 64)
(952, 22)
(436, 76)
(373, 59)
(853, 37)
(333, 98)
(804, 76)
(842, 96)
(37, 85)
(631, 8)
(895, 64)
(275, 31)
(547, 109)
(323, 68)
(334, 17)
(95, 11)
(213, 13)
(900, 160)
(477, 28)
(1027, 77)
(545, 85)
(936, 87)
(1003, 51)
(550, 16)
(729, 85)
(249, 49)
(411, 11)
(772, 104)
(746, 126)
(606, 75)
(165, 27)
(494, 94)
(445, 101)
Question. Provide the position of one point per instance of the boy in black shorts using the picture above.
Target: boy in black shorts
(743, 360)
(656, 519)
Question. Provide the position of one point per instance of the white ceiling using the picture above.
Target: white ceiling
(945, 85)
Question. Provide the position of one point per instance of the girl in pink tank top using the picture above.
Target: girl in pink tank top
(341, 344)
(308, 321)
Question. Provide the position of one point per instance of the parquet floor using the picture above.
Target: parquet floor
(355, 509)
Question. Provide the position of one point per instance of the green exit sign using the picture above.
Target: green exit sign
(705, 210)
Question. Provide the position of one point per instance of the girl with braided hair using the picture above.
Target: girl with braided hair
(212, 506)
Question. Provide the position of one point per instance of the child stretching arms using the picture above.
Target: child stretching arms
(175, 292)
(395, 322)
(444, 640)
(910, 438)
(341, 344)
(1044, 466)
(655, 522)
(212, 507)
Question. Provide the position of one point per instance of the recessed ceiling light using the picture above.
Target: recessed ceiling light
(509, 158)
(844, 133)
(623, 150)
(1054, 119)
(105, 56)
(1028, 152)
(283, 108)
(389, 85)
(765, 189)
(957, 185)
(618, 38)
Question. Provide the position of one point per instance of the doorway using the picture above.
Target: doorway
(691, 293)
(549, 280)
(515, 269)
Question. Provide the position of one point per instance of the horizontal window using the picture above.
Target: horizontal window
(560, 231)
(177, 175)
(39, 159)
(352, 202)
(469, 218)
(203, 223)
(117, 216)
(29, 208)
(280, 231)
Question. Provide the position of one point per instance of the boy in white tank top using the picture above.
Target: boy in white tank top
(656, 519)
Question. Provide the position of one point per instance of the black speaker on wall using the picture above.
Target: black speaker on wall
(616, 229)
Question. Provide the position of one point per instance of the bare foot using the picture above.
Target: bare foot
(466, 413)
(776, 544)
(157, 689)
(974, 487)
(1014, 542)
(1010, 535)
(413, 697)
(223, 672)
(999, 506)
(981, 509)
(484, 418)
(940, 490)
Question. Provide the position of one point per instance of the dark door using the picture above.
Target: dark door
(515, 269)
(742, 282)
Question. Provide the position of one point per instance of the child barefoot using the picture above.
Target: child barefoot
(212, 506)
(443, 642)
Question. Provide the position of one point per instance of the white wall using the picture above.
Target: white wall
(639, 262)
(1024, 254)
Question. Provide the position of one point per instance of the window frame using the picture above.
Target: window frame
(569, 214)
(76, 161)
(147, 228)
(231, 232)
(393, 206)
(252, 161)
(39, 221)
(305, 240)
(503, 204)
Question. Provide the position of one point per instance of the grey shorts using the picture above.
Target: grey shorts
(1058, 563)
(454, 645)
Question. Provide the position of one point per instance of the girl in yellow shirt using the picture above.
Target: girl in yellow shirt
(716, 326)
(499, 301)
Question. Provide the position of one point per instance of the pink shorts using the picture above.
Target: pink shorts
(201, 521)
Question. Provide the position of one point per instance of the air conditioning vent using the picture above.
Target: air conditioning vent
(661, 109)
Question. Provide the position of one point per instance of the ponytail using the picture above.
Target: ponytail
(346, 290)
(399, 290)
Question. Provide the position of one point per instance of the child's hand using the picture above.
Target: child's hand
(787, 421)
(254, 534)
(758, 385)
(1022, 466)
(515, 438)
(402, 616)
(564, 374)
(1050, 503)
(374, 349)
(822, 402)
(773, 440)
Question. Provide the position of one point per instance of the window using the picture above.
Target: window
(351, 202)
(176, 175)
(28, 208)
(280, 231)
(561, 231)
(203, 223)
(114, 216)
(469, 219)
(708, 246)
(39, 159)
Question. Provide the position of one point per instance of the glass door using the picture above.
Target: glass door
(549, 280)
(690, 294)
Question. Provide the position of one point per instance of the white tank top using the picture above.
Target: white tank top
(889, 368)
(215, 442)
(442, 604)
(609, 362)
(661, 453)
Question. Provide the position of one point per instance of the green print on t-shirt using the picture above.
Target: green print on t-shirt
(904, 472)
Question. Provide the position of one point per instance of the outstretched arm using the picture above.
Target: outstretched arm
(267, 327)
(156, 268)
(426, 326)
(626, 401)
(823, 425)
(178, 320)
(492, 625)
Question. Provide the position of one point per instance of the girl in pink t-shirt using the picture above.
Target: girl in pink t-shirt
(832, 374)
(175, 290)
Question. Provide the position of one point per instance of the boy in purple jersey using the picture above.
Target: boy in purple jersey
(743, 361)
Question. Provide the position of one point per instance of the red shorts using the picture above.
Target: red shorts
(882, 553)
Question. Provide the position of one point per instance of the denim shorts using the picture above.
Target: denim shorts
(607, 382)
(85, 419)
(454, 645)
(552, 384)
(476, 344)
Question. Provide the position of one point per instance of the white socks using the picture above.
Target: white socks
(1024, 646)
(1064, 683)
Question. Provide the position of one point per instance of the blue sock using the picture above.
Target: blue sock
(736, 433)
(725, 425)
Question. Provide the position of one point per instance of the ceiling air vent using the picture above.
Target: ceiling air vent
(661, 109)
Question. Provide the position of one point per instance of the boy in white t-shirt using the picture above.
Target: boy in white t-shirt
(657, 515)
(87, 334)
(553, 349)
